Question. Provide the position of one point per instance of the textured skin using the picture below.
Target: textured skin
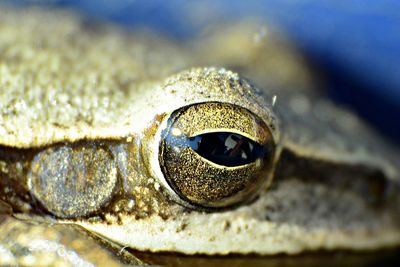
(80, 92)
(27, 244)
(333, 134)
(62, 80)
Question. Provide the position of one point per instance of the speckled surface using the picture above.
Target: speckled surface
(62, 81)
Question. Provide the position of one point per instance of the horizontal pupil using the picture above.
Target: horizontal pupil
(227, 149)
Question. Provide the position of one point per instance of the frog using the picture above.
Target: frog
(116, 143)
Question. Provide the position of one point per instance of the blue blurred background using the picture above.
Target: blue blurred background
(357, 42)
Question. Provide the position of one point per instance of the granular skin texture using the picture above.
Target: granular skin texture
(64, 83)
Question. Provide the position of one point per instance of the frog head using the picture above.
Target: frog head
(196, 161)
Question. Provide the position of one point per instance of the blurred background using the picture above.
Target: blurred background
(356, 43)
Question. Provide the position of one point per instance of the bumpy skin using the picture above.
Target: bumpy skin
(64, 81)
(26, 244)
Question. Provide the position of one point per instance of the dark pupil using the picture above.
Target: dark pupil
(228, 149)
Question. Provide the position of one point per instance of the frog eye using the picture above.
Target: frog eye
(215, 155)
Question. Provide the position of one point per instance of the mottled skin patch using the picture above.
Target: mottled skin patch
(62, 84)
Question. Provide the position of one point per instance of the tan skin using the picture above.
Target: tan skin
(105, 150)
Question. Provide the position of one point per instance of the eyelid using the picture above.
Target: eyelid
(213, 116)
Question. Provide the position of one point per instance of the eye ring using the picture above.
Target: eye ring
(215, 155)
